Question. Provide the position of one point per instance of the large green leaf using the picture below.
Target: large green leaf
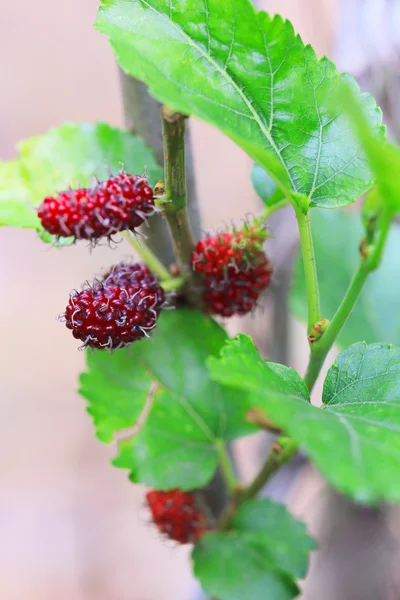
(190, 416)
(258, 559)
(251, 76)
(384, 158)
(354, 440)
(68, 155)
(376, 317)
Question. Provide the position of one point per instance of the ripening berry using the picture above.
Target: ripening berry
(228, 253)
(107, 316)
(123, 202)
(176, 516)
(235, 270)
(239, 294)
(136, 274)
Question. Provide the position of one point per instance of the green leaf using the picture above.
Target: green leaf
(258, 558)
(384, 158)
(68, 155)
(265, 186)
(15, 207)
(177, 446)
(251, 76)
(354, 440)
(376, 316)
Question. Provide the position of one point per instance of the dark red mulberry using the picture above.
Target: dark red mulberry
(106, 316)
(238, 295)
(176, 516)
(136, 274)
(123, 202)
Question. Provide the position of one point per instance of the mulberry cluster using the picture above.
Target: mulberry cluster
(235, 270)
(175, 514)
(116, 311)
(123, 202)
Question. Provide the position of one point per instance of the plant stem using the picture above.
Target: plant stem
(173, 284)
(368, 264)
(310, 269)
(280, 453)
(148, 257)
(226, 466)
(267, 211)
(175, 209)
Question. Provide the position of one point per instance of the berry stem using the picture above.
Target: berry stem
(267, 211)
(175, 208)
(148, 257)
(226, 466)
(310, 269)
(368, 263)
(173, 284)
(281, 452)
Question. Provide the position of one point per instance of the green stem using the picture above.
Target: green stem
(148, 257)
(310, 269)
(174, 207)
(267, 211)
(281, 453)
(173, 284)
(226, 466)
(369, 263)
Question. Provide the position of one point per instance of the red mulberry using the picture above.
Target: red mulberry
(123, 202)
(235, 270)
(108, 316)
(176, 516)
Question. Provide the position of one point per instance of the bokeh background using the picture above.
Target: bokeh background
(72, 527)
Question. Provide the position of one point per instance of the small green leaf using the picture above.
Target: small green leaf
(68, 155)
(15, 207)
(190, 414)
(251, 76)
(354, 440)
(258, 559)
(376, 316)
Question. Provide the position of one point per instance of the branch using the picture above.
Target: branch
(142, 117)
(369, 262)
(310, 269)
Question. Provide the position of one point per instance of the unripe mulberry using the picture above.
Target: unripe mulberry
(235, 269)
(107, 316)
(175, 514)
(228, 253)
(123, 202)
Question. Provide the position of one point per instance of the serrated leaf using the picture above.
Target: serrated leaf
(177, 446)
(15, 207)
(68, 155)
(251, 76)
(376, 316)
(258, 558)
(360, 460)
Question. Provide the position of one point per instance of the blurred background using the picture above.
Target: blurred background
(71, 525)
